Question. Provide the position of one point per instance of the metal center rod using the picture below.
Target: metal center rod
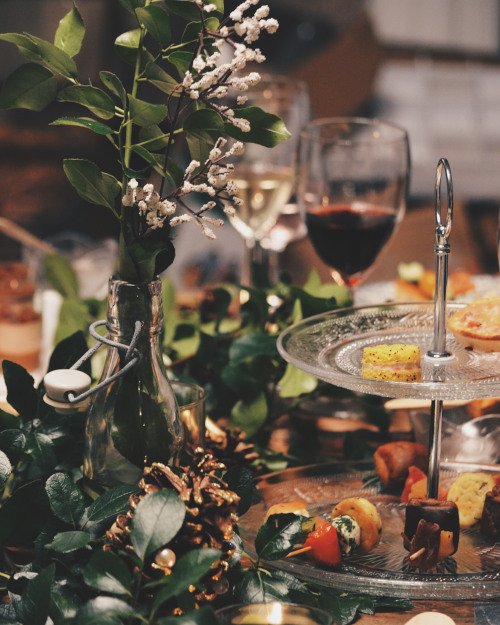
(438, 353)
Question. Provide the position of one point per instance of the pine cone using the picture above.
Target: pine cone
(229, 447)
(210, 518)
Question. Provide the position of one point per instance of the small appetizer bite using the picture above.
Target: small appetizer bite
(366, 516)
(415, 476)
(468, 491)
(393, 460)
(396, 362)
(431, 532)
(490, 518)
(478, 325)
(297, 507)
(323, 545)
(348, 532)
(416, 486)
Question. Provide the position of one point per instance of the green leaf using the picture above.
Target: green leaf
(5, 469)
(186, 10)
(66, 542)
(23, 514)
(74, 316)
(202, 128)
(296, 382)
(155, 160)
(157, 23)
(127, 45)
(91, 184)
(151, 259)
(278, 536)
(241, 480)
(192, 30)
(344, 606)
(114, 84)
(315, 287)
(249, 415)
(12, 443)
(70, 32)
(240, 382)
(34, 606)
(65, 498)
(30, 86)
(106, 572)
(157, 519)
(68, 351)
(143, 113)
(160, 79)
(257, 586)
(103, 610)
(181, 60)
(60, 274)
(203, 616)
(266, 129)
(132, 5)
(189, 569)
(84, 122)
(204, 121)
(21, 394)
(24, 44)
(111, 503)
(313, 305)
(251, 345)
(41, 450)
(36, 49)
(153, 138)
(93, 98)
(8, 421)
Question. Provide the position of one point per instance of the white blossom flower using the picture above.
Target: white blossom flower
(180, 219)
(199, 63)
(208, 8)
(241, 124)
(229, 211)
(191, 168)
(166, 208)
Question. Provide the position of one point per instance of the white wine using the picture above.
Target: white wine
(265, 191)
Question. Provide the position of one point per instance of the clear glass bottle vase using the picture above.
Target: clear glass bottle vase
(134, 420)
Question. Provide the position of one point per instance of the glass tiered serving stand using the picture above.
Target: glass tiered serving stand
(330, 347)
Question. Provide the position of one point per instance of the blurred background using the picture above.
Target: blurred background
(431, 67)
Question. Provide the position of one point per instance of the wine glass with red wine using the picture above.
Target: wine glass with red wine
(353, 185)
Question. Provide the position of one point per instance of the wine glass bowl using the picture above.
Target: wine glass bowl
(353, 185)
(265, 177)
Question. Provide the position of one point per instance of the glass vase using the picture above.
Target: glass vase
(134, 420)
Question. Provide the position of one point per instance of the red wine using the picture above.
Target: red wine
(348, 237)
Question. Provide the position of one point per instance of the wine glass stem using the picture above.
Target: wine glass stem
(255, 258)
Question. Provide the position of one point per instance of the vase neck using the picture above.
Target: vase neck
(128, 303)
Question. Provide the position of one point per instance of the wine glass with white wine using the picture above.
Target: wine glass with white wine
(265, 177)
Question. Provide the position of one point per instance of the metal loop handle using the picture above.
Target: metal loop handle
(132, 357)
(443, 230)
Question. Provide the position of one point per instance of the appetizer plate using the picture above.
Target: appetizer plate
(382, 292)
(473, 572)
(330, 346)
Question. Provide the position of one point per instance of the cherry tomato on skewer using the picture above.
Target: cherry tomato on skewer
(324, 544)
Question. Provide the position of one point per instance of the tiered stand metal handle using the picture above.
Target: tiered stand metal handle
(438, 354)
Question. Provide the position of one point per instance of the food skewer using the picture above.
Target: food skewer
(438, 354)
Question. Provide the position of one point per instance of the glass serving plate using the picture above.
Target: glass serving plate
(473, 572)
(330, 347)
